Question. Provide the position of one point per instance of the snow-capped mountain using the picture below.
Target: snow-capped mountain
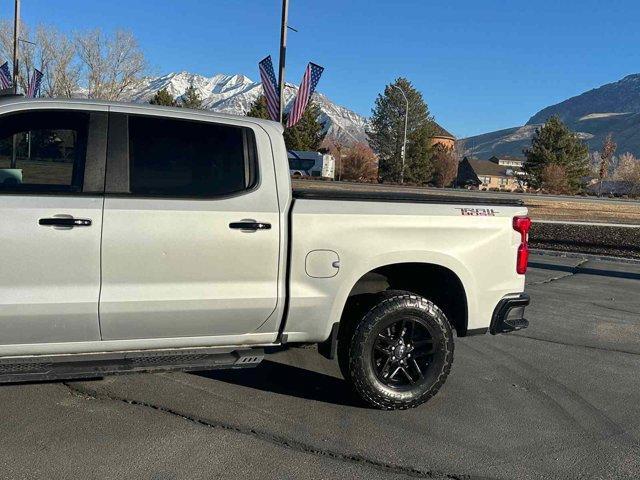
(236, 93)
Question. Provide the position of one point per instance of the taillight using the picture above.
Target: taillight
(522, 225)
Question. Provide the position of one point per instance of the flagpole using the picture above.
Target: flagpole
(16, 33)
(283, 53)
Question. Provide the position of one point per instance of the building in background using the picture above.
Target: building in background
(497, 173)
(442, 137)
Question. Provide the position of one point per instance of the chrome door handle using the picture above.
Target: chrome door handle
(68, 222)
(247, 225)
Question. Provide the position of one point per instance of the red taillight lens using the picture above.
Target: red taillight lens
(522, 225)
(523, 259)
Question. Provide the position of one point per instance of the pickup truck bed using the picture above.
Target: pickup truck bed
(399, 197)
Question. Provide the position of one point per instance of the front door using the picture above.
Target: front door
(175, 261)
(51, 181)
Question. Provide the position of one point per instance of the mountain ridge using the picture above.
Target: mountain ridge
(611, 108)
(235, 94)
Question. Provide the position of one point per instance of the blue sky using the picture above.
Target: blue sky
(481, 65)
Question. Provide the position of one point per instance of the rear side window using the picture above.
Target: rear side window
(182, 158)
(43, 151)
(301, 164)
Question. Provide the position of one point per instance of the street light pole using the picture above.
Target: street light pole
(406, 123)
(283, 54)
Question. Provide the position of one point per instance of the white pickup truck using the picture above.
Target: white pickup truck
(137, 238)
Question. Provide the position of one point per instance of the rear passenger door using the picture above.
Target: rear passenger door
(180, 258)
(50, 221)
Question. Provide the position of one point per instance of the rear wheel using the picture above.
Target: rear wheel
(400, 352)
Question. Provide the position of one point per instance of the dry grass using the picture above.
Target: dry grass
(584, 211)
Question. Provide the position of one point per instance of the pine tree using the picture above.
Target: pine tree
(259, 108)
(191, 99)
(386, 135)
(163, 97)
(555, 144)
(308, 133)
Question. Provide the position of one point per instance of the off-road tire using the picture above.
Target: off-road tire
(360, 370)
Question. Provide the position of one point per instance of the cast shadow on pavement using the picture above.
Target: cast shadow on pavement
(288, 380)
(590, 271)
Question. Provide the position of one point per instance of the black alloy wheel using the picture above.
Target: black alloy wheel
(403, 353)
(400, 352)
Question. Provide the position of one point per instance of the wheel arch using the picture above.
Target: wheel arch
(433, 281)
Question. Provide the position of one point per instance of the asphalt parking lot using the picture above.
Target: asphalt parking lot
(560, 399)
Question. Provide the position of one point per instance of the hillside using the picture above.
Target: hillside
(613, 108)
(622, 96)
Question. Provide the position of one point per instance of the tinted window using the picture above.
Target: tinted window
(301, 164)
(43, 151)
(308, 164)
(182, 158)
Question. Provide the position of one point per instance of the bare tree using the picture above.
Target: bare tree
(628, 170)
(594, 163)
(445, 165)
(112, 65)
(30, 55)
(359, 164)
(337, 149)
(60, 64)
(608, 150)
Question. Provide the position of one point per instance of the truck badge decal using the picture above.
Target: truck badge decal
(477, 212)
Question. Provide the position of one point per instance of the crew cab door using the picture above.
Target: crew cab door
(50, 221)
(191, 235)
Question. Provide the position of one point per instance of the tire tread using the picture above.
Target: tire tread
(390, 302)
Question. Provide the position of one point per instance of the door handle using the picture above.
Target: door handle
(68, 222)
(250, 225)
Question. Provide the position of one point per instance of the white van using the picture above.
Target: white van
(311, 164)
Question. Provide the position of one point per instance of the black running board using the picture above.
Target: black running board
(88, 365)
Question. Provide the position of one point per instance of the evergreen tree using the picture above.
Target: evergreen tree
(555, 144)
(259, 108)
(386, 135)
(163, 97)
(191, 99)
(308, 133)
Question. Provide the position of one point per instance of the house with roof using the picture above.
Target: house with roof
(497, 173)
(442, 136)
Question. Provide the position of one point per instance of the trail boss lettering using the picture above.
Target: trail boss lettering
(478, 212)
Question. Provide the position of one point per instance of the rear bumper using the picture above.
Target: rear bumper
(508, 315)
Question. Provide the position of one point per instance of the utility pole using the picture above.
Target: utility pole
(16, 34)
(283, 54)
(406, 123)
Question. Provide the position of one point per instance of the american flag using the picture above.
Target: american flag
(5, 76)
(307, 87)
(34, 84)
(270, 87)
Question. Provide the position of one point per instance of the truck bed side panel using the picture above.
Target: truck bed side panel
(477, 243)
